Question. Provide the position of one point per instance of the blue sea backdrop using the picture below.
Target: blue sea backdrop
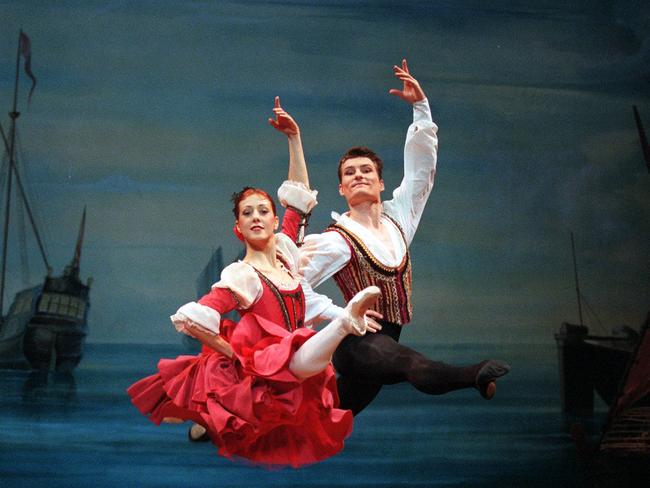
(81, 430)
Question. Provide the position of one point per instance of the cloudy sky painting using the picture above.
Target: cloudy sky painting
(152, 113)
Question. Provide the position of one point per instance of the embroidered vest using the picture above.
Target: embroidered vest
(364, 270)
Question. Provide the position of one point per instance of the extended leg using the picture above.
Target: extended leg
(316, 353)
(355, 395)
(380, 359)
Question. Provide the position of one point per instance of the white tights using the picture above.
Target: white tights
(316, 353)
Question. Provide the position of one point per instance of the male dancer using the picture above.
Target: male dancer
(369, 246)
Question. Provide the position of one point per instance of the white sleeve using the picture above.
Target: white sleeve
(420, 158)
(237, 277)
(297, 195)
(194, 314)
(318, 308)
(322, 256)
(242, 280)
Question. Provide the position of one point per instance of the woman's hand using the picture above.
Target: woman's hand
(216, 342)
(283, 122)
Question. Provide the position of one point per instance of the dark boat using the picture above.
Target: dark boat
(57, 329)
(46, 325)
(590, 362)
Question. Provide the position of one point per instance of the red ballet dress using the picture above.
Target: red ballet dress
(252, 405)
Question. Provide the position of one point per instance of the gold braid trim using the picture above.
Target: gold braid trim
(375, 262)
(364, 269)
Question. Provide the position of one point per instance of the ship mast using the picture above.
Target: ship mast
(10, 147)
(645, 148)
(575, 275)
(73, 268)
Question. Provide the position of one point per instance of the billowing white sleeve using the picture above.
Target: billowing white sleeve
(420, 158)
(194, 314)
(318, 308)
(297, 195)
(322, 256)
(242, 283)
(242, 280)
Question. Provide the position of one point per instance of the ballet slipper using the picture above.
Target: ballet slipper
(198, 433)
(354, 319)
(487, 375)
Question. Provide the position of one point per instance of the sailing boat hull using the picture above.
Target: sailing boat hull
(589, 363)
(14, 326)
(55, 347)
(46, 326)
(55, 335)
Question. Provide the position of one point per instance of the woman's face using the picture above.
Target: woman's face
(256, 220)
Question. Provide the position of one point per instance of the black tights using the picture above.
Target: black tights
(368, 362)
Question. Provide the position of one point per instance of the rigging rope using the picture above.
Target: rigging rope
(24, 170)
(602, 328)
(22, 238)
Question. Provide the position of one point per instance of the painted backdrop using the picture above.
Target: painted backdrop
(152, 113)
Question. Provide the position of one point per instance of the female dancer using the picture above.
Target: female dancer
(264, 388)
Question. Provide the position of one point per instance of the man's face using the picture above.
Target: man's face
(360, 181)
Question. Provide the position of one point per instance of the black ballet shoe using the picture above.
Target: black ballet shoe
(486, 376)
(202, 438)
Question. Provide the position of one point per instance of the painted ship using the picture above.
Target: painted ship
(591, 362)
(46, 324)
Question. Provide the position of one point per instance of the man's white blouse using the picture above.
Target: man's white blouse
(323, 255)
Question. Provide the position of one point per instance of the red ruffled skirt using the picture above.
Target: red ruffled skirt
(252, 406)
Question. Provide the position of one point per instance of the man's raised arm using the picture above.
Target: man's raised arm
(420, 156)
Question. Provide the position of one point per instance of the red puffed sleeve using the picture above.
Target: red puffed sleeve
(291, 223)
(220, 299)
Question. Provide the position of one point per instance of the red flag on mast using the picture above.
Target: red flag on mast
(26, 51)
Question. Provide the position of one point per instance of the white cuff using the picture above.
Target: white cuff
(296, 194)
(194, 314)
(422, 111)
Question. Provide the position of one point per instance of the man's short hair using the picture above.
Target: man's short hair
(361, 152)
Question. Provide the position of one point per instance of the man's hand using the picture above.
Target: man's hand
(371, 324)
(283, 122)
(411, 91)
